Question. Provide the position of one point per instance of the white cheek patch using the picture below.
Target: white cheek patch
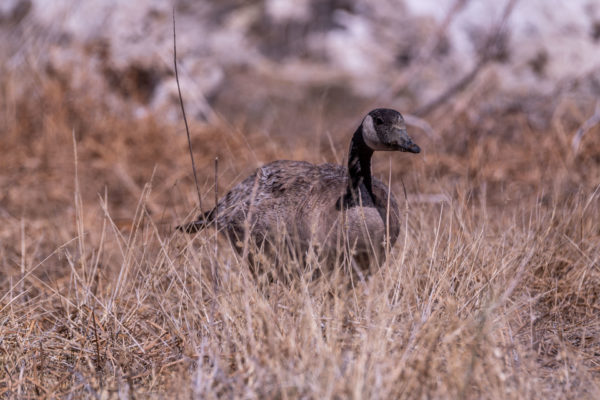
(370, 135)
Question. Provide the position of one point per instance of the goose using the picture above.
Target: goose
(319, 205)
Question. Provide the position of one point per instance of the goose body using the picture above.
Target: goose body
(326, 206)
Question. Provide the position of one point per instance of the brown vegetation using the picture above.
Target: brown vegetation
(492, 291)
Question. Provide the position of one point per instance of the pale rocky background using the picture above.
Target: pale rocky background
(249, 56)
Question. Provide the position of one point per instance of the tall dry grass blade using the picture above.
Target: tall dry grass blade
(387, 249)
(21, 289)
(78, 209)
(126, 265)
(187, 129)
(216, 219)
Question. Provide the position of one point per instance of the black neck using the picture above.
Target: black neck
(359, 166)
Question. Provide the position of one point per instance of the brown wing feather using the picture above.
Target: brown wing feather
(293, 195)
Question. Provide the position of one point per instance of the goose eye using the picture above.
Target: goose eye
(378, 121)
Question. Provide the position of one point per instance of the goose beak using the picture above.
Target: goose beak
(412, 148)
(405, 143)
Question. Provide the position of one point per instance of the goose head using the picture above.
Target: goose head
(384, 129)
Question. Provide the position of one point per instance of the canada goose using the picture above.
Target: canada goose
(311, 203)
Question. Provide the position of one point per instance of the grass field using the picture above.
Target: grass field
(492, 290)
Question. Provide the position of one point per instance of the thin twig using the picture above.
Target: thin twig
(187, 129)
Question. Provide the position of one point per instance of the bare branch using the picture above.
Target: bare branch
(487, 55)
(453, 90)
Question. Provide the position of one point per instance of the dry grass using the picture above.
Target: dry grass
(492, 290)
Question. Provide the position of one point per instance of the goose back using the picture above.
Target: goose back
(305, 202)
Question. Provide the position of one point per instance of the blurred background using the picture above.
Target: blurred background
(495, 92)
(495, 282)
